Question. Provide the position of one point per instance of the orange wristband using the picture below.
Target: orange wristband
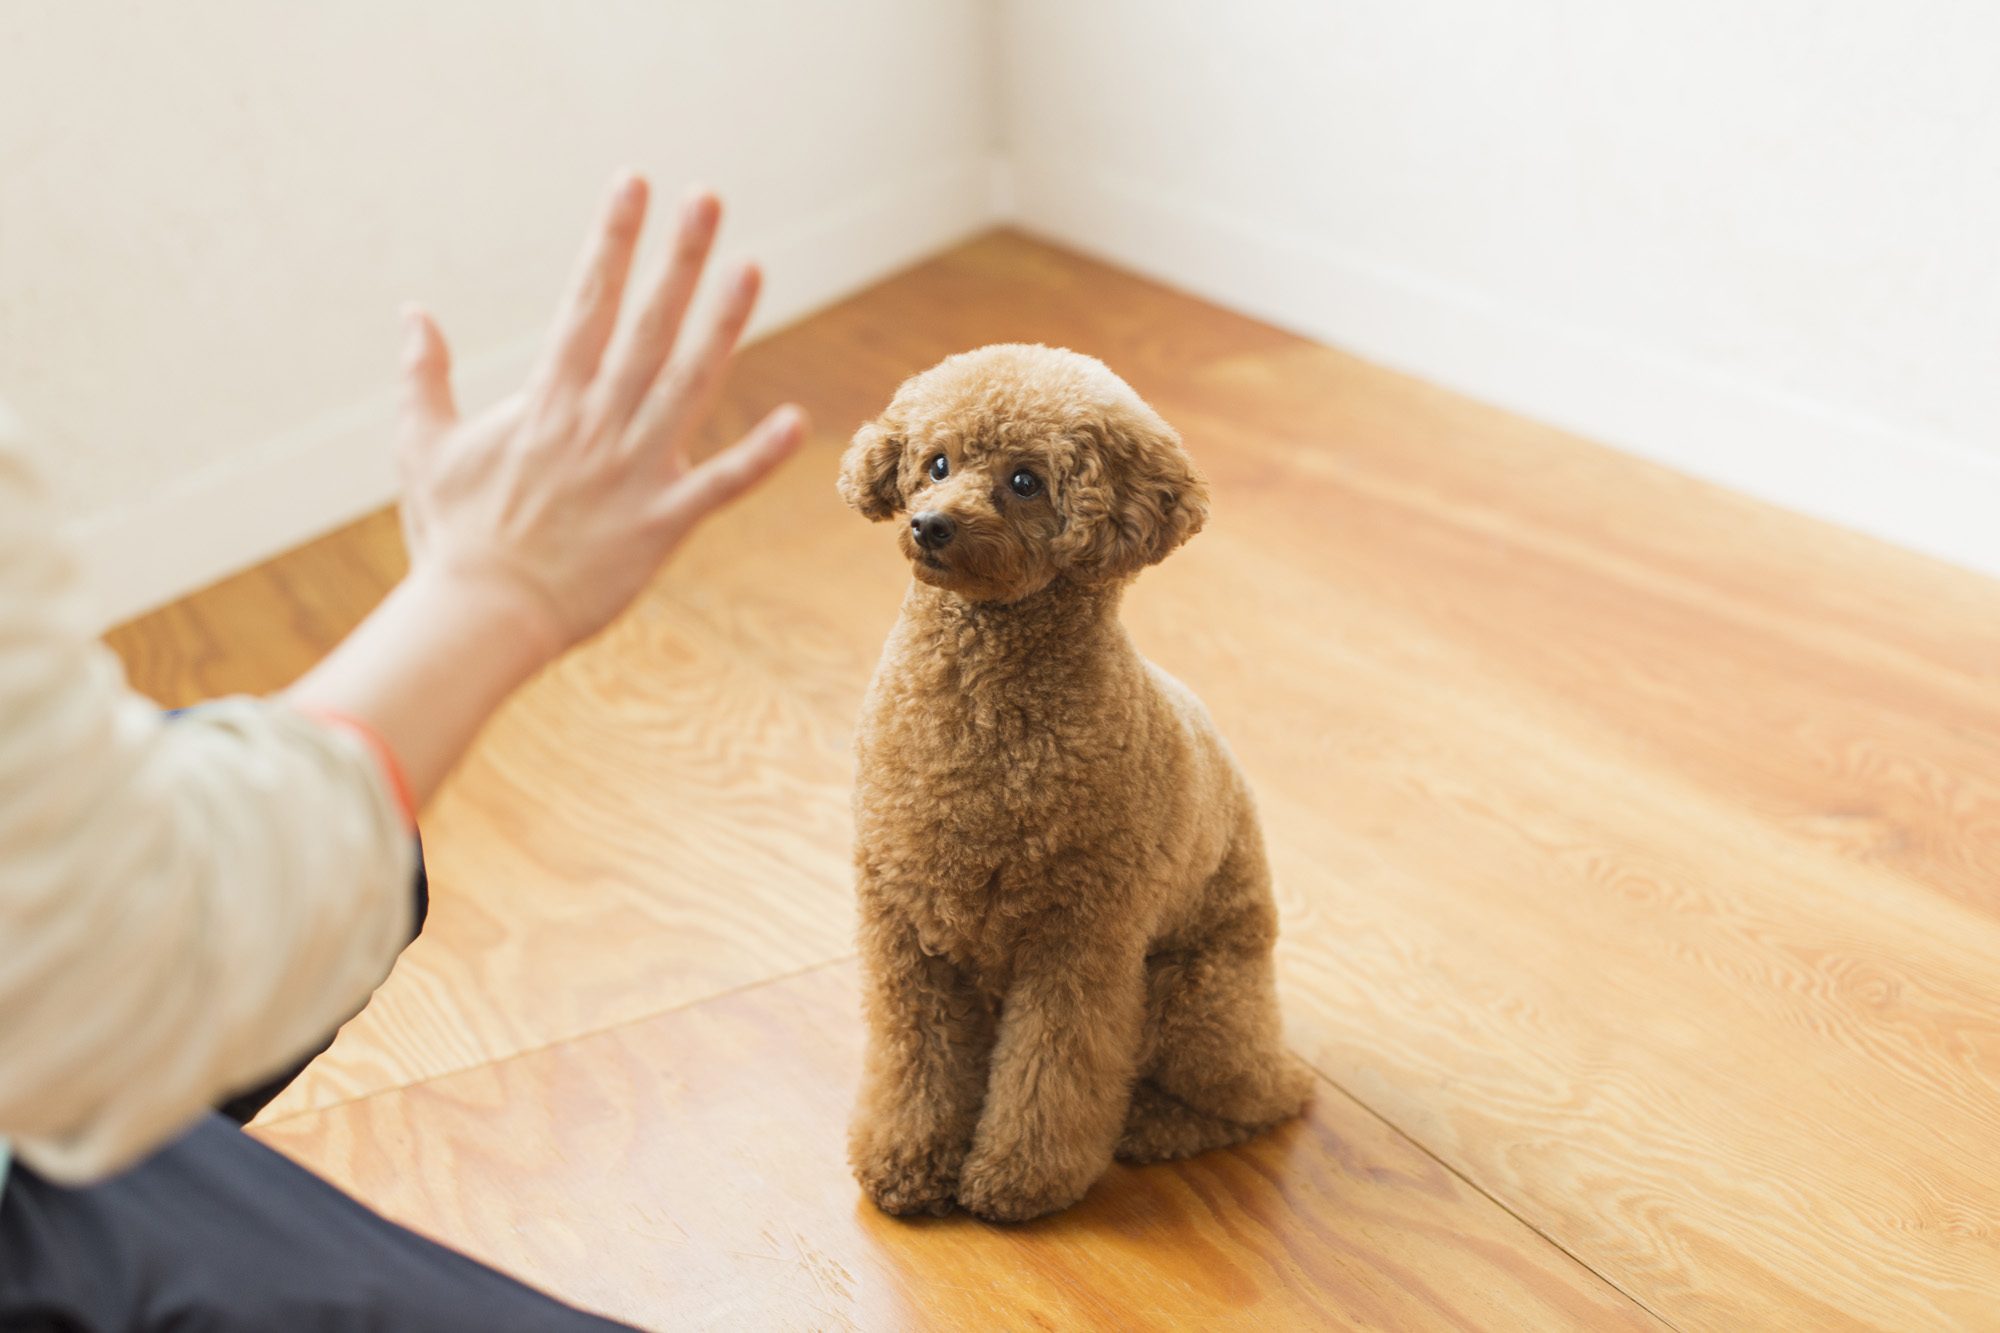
(392, 768)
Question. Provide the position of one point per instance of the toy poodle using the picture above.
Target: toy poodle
(1066, 916)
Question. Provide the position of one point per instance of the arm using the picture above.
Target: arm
(185, 906)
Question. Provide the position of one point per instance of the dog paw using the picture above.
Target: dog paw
(1160, 1128)
(1017, 1188)
(908, 1179)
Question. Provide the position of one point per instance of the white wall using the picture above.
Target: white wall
(1754, 239)
(210, 210)
(1758, 240)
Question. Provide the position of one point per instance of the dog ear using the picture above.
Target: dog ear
(869, 473)
(1133, 498)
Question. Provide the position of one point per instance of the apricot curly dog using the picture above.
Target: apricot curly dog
(1066, 917)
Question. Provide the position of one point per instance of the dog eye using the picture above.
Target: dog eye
(1026, 484)
(939, 468)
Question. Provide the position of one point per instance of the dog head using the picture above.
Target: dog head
(1016, 464)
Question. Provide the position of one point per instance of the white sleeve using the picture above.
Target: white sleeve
(185, 906)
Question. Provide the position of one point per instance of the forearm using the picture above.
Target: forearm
(431, 664)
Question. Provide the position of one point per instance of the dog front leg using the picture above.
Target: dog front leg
(1061, 1079)
(923, 1074)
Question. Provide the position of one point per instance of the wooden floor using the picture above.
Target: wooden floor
(1638, 848)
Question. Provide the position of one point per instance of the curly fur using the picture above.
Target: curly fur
(1066, 916)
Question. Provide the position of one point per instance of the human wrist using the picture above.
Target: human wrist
(505, 610)
(431, 663)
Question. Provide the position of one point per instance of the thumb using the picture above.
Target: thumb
(428, 409)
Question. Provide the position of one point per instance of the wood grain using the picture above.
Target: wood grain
(687, 1172)
(1653, 904)
(1638, 844)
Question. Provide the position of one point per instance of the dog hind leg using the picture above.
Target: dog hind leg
(1217, 1070)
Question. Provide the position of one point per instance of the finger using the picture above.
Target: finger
(689, 389)
(635, 359)
(590, 311)
(428, 409)
(736, 469)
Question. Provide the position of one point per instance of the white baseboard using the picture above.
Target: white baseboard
(305, 481)
(1914, 489)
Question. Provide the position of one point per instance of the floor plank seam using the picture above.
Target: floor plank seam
(511, 1056)
(1494, 1199)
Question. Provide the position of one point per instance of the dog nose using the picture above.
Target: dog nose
(932, 529)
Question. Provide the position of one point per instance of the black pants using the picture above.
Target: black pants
(217, 1232)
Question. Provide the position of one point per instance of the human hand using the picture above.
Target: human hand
(569, 494)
